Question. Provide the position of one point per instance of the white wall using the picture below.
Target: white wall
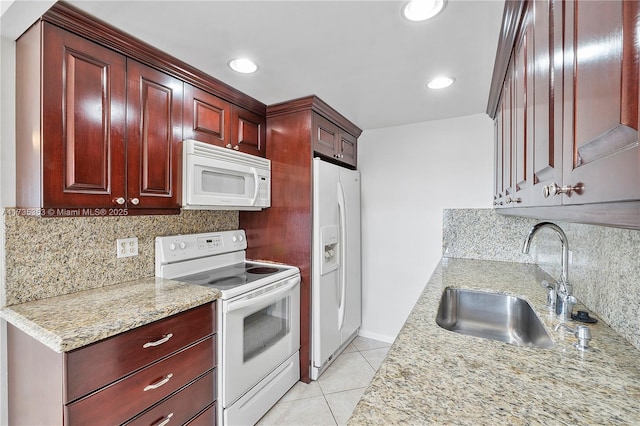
(7, 185)
(410, 174)
(15, 18)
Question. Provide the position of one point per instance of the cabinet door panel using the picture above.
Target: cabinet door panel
(545, 90)
(83, 121)
(507, 140)
(497, 177)
(520, 135)
(249, 132)
(325, 136)
(154, 123)
(601, 154)
(206, 117)
(348, 149)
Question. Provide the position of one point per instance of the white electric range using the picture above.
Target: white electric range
(258, 317)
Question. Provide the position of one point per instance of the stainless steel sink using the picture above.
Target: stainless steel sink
(493, 316)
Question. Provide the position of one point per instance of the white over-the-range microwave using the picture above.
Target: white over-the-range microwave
(216, 178)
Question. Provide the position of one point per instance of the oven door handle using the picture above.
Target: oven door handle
(251, 301)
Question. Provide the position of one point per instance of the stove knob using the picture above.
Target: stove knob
(234, 239)
(172, 246)
(182, 245)
(240, 238)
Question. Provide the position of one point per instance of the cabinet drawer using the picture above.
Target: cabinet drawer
(206, 418)
(126, 398)
(182, 406)
(91, 367)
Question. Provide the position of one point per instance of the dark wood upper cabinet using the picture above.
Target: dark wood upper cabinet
(497, 157)
(601, 150)
(333, 142)
(210, 119)
(248, 132)
(565, 89)
(520, 177)
(544, 101)
(80, 129)
(100, 118)
(207, 118)
(326, 136)
(348, 149)
(154, 133)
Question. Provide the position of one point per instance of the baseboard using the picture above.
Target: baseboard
(376, 336)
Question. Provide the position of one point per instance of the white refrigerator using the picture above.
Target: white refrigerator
(336, 289)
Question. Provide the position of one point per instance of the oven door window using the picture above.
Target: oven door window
(264, 328)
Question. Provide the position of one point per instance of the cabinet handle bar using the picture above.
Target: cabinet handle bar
(160, 383)
(164, 339)
(166, 420)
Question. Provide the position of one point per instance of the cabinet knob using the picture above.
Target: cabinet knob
(119, 201)
(553, 189)
(135, 201)
(513, 200)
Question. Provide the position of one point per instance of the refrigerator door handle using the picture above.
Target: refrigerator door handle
(343, 254)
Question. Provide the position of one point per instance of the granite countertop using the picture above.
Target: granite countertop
(64, 323)
(434, 376)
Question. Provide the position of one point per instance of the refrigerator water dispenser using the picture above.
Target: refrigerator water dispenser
(330, 248)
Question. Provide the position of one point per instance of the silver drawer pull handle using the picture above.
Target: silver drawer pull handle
(165, 421)
(160, 383)
(165, 339)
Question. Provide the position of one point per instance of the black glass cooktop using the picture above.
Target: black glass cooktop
(233, 276)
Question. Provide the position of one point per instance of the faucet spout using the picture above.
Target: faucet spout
(564, 279)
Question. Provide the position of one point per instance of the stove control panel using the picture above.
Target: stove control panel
(192, 246)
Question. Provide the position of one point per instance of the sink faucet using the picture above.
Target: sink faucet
(564, 299)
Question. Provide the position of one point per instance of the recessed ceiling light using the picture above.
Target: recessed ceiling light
(440, 82)
(421, 10)
(243, 65)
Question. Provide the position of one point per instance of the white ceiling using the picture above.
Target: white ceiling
(361, 57)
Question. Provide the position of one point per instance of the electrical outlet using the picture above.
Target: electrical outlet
(127, 247)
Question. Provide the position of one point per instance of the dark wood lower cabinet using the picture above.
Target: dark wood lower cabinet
(123, 399)
(205, 418)
(175, 382)
(181, 406)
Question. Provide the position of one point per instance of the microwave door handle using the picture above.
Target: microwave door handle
(234, 306)
(256, 186)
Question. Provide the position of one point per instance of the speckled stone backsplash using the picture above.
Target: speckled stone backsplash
(604, 266)
(46, 257)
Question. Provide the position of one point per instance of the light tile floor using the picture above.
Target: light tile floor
(331, 399)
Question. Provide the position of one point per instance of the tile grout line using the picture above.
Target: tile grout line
(324, 395)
